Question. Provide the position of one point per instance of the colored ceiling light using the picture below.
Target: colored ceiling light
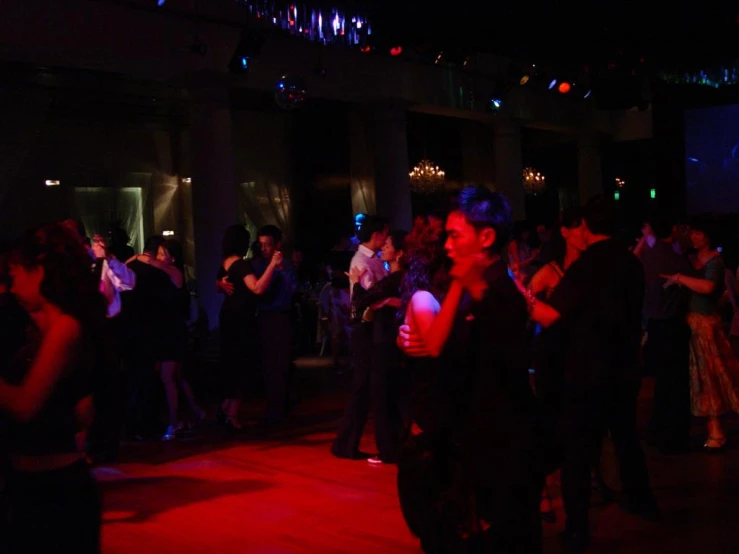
(564, 88)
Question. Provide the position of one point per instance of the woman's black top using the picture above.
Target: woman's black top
(243, 301)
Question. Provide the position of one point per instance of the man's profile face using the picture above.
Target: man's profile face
(267, 246)
(463, 241)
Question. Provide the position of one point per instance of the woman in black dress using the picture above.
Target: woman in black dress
(238, 318)
(46, 395)
(173, 342)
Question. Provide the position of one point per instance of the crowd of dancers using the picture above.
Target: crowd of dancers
(441, 321)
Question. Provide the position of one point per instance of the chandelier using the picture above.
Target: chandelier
(426, 177)
(533, 181)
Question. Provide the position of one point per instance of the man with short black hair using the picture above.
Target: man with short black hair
(274, 316)
(372, 236)
(600, 300)
(484, 412)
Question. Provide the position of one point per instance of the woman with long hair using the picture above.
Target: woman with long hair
(45, 392)
(389, 389)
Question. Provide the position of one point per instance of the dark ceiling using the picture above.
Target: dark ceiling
(569, 32)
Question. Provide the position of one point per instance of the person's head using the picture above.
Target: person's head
(600, 215)
(170, 252)
(50, 266)
(480, 224)
(659, 225)
(236, 240)
(373, 233)
(571, 228)
(427, 266)
(152, 244)
(545, 231)
(704, 233)
(394, 249)
(270, 240)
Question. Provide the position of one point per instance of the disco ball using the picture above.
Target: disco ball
(290, 92)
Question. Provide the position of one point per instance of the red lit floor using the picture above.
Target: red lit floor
(287, 495)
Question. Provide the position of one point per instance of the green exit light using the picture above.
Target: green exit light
(617, 195)
(652, 193)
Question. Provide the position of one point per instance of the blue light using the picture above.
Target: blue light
(553, 84)
(160, 3)
(587, 94)
(496, 103)
(245, 62)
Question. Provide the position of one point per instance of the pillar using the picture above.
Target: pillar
(213, 187)
(392, 183)
(589, 168)
(362, 166)
(509, 165)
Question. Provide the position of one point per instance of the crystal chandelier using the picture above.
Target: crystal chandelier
(533, 181)
(426, 177)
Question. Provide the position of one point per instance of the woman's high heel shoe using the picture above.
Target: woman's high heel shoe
(714, 445)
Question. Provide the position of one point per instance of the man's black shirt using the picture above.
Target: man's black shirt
(600, 301)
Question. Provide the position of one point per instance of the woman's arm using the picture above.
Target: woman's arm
(541, 282)
(431, 324)
(175, 275)
(259, 286)
(25, 401)
(696, 284)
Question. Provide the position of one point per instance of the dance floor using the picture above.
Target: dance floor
(285, 494)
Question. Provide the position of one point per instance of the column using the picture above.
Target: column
(214, 192)
(478, 166)
(589, 168)
(362, 165)
(392, 184)
(509, 165)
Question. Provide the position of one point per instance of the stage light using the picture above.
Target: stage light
(494, 105)
(564, 88)
(552, 84)
(52, 182)
(249, 47)
(365, 49)
(587, 94)
(396, 50)
(160, 3)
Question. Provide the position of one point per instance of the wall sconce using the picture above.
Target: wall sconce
(187, 180)
(167, 233)
(52, 182)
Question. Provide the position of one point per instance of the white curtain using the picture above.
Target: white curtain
(100, 208)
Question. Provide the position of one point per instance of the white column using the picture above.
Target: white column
(589, 168)
(392, 184)
(214, 192)
(509, 164)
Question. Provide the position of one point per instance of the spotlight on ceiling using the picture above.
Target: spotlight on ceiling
(552, 84)
(564, 87)
(249, 47)
(494, 104)
(587, 94)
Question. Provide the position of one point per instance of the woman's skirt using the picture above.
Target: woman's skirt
(714, 370)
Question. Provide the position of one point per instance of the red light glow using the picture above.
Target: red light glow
(564, 88)
(396, 50)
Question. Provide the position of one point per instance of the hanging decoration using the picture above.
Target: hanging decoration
(427, 178)
(533, 182)
(710, 77)
(327, 26)
(290, 92)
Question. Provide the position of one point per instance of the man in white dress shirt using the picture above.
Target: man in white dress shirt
(372, 236)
